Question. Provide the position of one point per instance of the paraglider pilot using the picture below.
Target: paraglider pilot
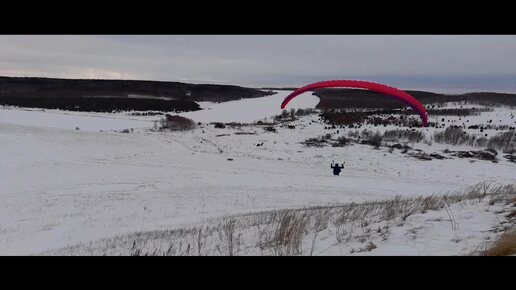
(336, 168)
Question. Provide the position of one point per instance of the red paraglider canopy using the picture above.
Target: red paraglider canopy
(383, 89)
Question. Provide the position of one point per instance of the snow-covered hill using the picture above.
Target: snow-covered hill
(60, 186)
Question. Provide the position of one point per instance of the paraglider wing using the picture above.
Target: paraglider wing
(399, 95)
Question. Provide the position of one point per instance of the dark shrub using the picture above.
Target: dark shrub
(177, 123)
(269, 129)
(505, 141)
(409, 135)
(452, 135)
(219, 125)
(342, 141)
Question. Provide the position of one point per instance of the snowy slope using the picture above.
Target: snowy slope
(60, 186)
(461, 228)
(244, 111)
(92, 122)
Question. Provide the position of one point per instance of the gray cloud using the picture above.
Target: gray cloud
(449, 62)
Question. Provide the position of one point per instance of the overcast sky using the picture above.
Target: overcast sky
(439, 63)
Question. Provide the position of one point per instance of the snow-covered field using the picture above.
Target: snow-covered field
(60, 186)
(91, 122)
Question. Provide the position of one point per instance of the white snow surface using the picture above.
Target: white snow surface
(60, 186)
(250, 110)
(244, 111)
(92, 122)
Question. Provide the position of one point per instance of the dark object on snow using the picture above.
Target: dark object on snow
(230, 159)
(219, 125)
(270, 129)
(488, 154)
(177, 122)
(510, 157)
(437, 156)
(337, 168)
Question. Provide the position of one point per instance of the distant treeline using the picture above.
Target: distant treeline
(101, 104)
(279, 89)
(346, 98)
(105, 95)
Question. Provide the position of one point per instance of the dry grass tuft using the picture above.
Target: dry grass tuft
(289, 233)
(505, 245)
